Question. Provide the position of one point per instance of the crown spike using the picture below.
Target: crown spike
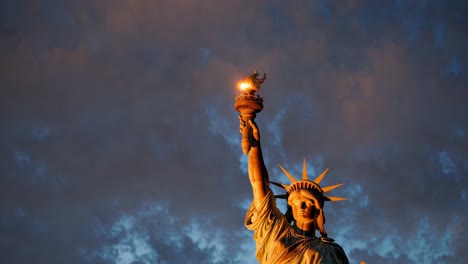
(319, 178)
(304, 171)
(291, 178)
(329, 188)
(334, 199)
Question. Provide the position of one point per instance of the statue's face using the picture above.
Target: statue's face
(303, 208)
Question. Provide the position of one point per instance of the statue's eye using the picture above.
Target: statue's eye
(301, 202)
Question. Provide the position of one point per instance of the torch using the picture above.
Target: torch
(248, 104)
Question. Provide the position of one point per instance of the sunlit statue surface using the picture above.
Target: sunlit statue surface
(289, 237)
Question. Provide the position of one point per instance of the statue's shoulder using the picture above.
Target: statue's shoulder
(335, 249)
(330, 243)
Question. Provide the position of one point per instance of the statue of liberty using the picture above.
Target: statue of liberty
(290, 237)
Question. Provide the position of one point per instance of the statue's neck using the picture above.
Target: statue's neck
(302, 232)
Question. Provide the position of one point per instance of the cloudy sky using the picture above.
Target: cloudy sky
(119, 141)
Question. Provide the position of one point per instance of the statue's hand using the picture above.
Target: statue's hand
(255, 132)
(253, 125)
(241, 124)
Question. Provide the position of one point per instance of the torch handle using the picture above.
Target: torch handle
(247, 132)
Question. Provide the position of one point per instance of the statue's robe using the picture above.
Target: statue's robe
(278, 242)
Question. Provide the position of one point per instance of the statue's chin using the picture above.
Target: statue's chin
(303, 221)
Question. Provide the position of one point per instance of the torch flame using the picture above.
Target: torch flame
(244, 85)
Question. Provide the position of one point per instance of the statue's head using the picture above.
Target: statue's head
(304, 206)
(306, 199)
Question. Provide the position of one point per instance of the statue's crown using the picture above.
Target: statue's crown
(311, 186)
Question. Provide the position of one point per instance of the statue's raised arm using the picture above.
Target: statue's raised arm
(258, 174)
(249, 104)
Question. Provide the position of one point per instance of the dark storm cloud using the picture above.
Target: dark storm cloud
(119, 139)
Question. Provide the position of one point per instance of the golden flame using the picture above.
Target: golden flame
(244, 85)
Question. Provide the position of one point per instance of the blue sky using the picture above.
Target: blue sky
(120, 141)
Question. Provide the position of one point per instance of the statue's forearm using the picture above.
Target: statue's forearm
(258, 174)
